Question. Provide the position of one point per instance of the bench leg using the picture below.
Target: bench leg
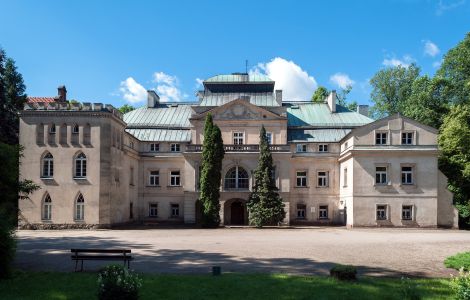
(76, 265)
(82, 267)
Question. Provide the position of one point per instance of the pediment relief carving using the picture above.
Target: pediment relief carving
(238, 112)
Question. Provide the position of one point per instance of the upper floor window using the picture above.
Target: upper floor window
(80, 208)
(301, 147)
(322, 179)
(345, 177)
(236, 178)
(80, 166)
(238, 138)
(323, 148)
(47, 166)
(75, 129)
(381, 138)
(407, 175)
(407, 138)
(269, 137)
(156, 147)
(175, 148)
(301, 178)
(47, 208)
(175, 178)
(52, 129)
(154, 178)
(381, 175)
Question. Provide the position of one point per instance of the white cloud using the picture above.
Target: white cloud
(296, 83)
(199, 82)
(395, 62)
(443, 6)
(342, 80)
(437, 64)
(168, 87)
(431, 49)
(132, 91)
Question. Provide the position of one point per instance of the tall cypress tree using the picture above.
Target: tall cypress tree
(264, 205)
(212, 156)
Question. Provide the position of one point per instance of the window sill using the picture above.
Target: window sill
(407, 185)
(79, 178)
(79, 221)
(174, 186)
(46, 221)
(301, 187)
(379, 185)
(47, 178)
(153, 186)
(407, 220)
(323, 187)
(323, 219)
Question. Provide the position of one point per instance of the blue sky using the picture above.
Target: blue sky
(112, 51)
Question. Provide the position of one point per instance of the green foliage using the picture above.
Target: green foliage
(461, 285)
(409, 289)
(7, 246)
(342, 96)
(458, 261)
(126, 108)
(391, 87)
(115, 282)
(212, 156)
(344, 272)
(456, 69)
(264, 204)
(352, 106)
(320, 94)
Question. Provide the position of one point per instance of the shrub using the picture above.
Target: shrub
(461, 285)
(460, 260)
(409, 289)
(344, 272)
(118, 283)
(7, 249)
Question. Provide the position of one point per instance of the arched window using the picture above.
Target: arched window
(47, 208)
(236, 178)
(80, 208)
(47, 166)
(80, 166)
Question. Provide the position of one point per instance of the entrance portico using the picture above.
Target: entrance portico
(235, 212)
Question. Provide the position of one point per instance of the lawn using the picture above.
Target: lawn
(458, 261)
(42, 285)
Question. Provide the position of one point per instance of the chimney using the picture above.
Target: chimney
(62, 93)
(152, 98)
(363, 110)
(331, 100)
(279, 97)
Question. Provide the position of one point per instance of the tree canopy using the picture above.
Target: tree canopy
(126, 108)
(320, 94)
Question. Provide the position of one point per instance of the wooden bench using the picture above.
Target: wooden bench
(101, 254)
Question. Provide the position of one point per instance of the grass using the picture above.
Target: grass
(55, 286)
(458, 261)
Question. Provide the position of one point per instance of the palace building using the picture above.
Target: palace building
(98, 168)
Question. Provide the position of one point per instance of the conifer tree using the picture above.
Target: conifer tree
(212, 156)
(264, 205)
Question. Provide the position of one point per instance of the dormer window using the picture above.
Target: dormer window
(407, 138)
(154, 147)
(381, 138)
(323, 148)
(175, 147)
(301, 147)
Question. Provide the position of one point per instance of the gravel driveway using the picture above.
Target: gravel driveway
(381, 252)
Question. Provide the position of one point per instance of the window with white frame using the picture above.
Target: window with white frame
(407, 138)
(323, 148)
(175, 179)
(381, 212)
(301, 178)
(407, 212)
(323, 212)
(175, 210)
(301, 147)
(75, 129)
(80, 166)
(381, 138)
(80, 208)
(407, 175)
(345, 177)
(154, 147)
(47, 208)
(236, 178)
(154, 178)
(322, 179)
(52, 129)
(238, 138)
(47, 166)
(301, 211)
(153, 210)
(175, 147)
(381, 175)
(269, 137)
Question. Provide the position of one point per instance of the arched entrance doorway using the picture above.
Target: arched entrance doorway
(235, 212)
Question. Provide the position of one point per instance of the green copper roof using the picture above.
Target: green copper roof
(165, 115)
(218, 99)
(319, 115)
(316, 135)
(238, 78)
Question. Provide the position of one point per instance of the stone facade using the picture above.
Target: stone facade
(144, 166)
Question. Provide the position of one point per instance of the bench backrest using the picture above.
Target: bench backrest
(124, 251)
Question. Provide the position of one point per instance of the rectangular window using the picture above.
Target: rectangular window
(175, 148)
(323, 212)
(407, 138)
(381, 212)
(407, 212)
(301, 210)
(52, 129)
(381, 175)
(238, 138)
(175, 178)
(47, 209)
(322, 178)
(154, 147)
(301, 147)
(301, 178)
(323, 148)
(131, 210)
(153, 209)
(345, 177)
(269, 137)
(154, 178)
(381, 138)
(406, 175)
(175, 210)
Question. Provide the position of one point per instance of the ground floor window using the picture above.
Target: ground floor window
(407, 212)
(175, 210)
(153, 209)
(381, 212)
(47, 208)
(323, 212)
(301, 210)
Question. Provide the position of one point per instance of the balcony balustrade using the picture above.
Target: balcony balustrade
(241, 148)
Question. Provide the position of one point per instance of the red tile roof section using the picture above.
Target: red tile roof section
(41, 99)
